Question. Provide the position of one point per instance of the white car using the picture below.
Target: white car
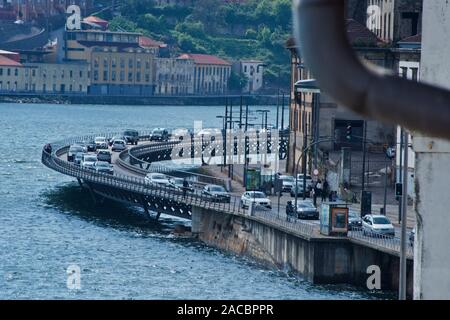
(378, 225)
(88, 161)
(308, 179)
(259, 198)
(119, 145)
(157, 179)
(288, 183)
(101, 142)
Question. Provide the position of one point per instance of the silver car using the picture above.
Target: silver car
(119, 145)
(378, 225)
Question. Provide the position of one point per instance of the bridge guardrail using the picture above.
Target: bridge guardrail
(197, 198)
(378, 240)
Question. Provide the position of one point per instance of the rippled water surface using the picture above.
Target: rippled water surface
(48, 223)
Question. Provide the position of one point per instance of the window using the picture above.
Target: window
(70, 74)
(122, 76)
(81, 88)
(105, 75)
(16, 72)
(130, 77)
(138, 63)
(96, 75)
(33, 73)
(1, 71)
(122, 62)
(130, 63)
(9, 72)
(414, 74)
(138, 77)
(113, 76)
(81, 74)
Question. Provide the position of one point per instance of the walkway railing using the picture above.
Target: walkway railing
(196, 198)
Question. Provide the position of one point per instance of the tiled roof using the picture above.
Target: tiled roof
(148, 42)
(205, 59)
(95, 20)
(6, 62)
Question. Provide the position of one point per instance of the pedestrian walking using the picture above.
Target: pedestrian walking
(318, 189)
(325, 190)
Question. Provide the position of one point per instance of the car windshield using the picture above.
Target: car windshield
(306, 205)
(119, 142)
(100, 139)
(157, 131)
(178, 181)
(381, 220)
(159, 177)
(102, 164)
(90, 159)
(258, 195)
(352, 214)
(218, 189)
(104, 153)
(131, 133)
(287, 178)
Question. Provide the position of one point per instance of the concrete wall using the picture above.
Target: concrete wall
(432, 255)
(320, 260)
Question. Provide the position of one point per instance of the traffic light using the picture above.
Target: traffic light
(399, 189)
(349, 132)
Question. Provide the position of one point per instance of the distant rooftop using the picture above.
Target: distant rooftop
(6, 62)
(150, 43)
(205, 59)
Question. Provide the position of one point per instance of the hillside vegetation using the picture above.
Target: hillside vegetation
(251, 29)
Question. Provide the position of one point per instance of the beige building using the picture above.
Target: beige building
(43, 78)
(174, 76)
(211, 74)
(119, 64)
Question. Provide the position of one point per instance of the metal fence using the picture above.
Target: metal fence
(380, 241)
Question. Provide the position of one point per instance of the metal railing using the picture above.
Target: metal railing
(380, 241)
(233, 206)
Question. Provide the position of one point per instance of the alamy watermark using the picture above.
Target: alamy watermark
(73, 277)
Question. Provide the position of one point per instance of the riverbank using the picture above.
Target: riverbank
(259, 100)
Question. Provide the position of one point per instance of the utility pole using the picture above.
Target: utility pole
(399, 173)
(402, 284)
(278, 107)
(240, 115)
(282, 113)
(364, 157)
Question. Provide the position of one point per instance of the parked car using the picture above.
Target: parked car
(131, 136)
(91, 146)
(305, 209)
(217, 192)
(354, 220)
(178, 184)
(157, 179)
(73, 150)
(88, 161)
(256, 197)
(412, 236)
(104, 155)
(103, 167)
(288, 183)
(119, 145)
(101, 143)
(78, 158)
(159, 134)
(377, 225)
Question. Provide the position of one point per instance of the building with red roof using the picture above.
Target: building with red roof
(211, 73)
(102, 24)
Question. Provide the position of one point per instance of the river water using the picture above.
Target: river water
(47, 223)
